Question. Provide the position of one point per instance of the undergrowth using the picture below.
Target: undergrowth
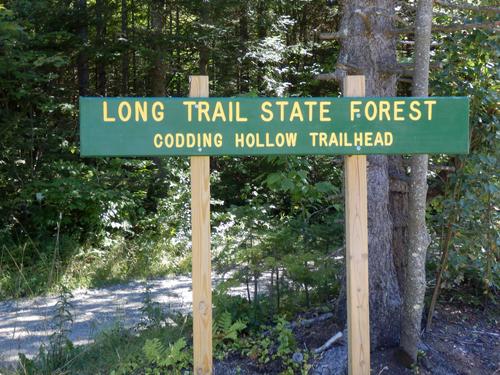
(161, 344)
(117, 259)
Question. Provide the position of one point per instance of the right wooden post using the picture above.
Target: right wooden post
(202, 274)
(356, 217)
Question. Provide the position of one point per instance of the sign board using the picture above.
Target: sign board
(200, 126)
(273, 126)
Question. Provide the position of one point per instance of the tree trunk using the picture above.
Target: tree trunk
(178, 67)
(101, 42)
(367, 49)
(125, 57)
(255, 292)
(82, 62)
(414, 286)
(135, 82)
(247, 282)
(398, 209)
(157, 88)
(243, 77)
(157, 69)
(261, 34)
(278, 295)
(203, 47)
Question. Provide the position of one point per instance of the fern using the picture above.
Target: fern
(226, 333)
(154, 350)
(173, 357)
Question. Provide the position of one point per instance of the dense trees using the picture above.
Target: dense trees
(79, 221)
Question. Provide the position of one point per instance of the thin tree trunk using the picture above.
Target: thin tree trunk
(255, 290)
(203, 47)
(271, 294)
(157, 69)
(134, 58)
(247, 282)
(243, 77)
(419, 239)
(100, 7)
(261, 34)
(439, 276)
(308, 300)
(454, 217)
(369, 50)
(125, 53)
(278, 296)
(178, 67)
(82, 63)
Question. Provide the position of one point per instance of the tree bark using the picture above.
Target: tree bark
(203, 47)
(365, 49)
(125, 56)
(178, 67)
(243, 76)
(157, 88)
(100, 7)
(261, 34)
(398, 208)
(414, 286)
(82, 63)
(157, 69)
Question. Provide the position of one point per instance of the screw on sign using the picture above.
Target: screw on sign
(200, 126)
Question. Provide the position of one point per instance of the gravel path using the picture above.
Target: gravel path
(25, 324)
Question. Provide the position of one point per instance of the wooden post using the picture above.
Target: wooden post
(356, 214)
(200, 225)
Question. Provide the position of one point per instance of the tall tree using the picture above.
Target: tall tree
(203, 46)
(261, 34)
(419, 239)
(125, 52)
(100, 8)
(243, 74)
(157, 64)
(367, 48)
(82, 63)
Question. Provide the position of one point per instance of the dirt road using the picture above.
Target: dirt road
(25, 324)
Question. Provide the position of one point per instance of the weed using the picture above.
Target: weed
(225, 334)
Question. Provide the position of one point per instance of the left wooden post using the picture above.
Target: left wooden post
(201, 271)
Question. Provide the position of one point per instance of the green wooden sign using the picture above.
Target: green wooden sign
(271, 126)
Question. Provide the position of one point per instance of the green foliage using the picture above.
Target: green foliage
(277, 344)
(173, 358)
(52, 360)
(152, 312)
(158, 347)
(225, 334)
(463, 210)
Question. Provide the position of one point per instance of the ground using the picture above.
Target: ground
(464, 339)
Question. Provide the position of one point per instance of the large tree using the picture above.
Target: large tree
(367, 48)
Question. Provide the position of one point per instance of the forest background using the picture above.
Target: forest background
(88, 222)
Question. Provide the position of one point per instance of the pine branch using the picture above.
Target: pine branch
(340, 72)
(451, 28)
(466, 26)
(407, 69)
(329, 76)
(482, 9)
(332, 36)
(412, 42)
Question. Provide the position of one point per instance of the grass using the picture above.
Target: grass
(32, 269)
(116, 349)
